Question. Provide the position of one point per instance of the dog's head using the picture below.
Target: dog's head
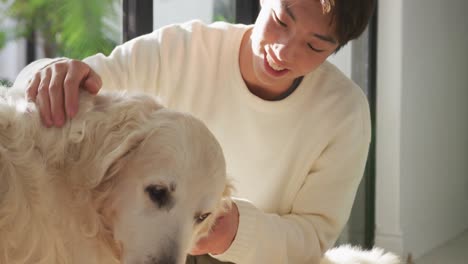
(168, 186)
(129, 171)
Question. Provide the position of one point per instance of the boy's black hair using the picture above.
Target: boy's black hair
(349, 18)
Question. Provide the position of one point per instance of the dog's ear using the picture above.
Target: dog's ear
(137, 107)
(104, 135)
(226, 202)
(102, 164)
(118, 158)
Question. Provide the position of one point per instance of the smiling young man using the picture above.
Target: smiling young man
(295, 131)
(289, 40)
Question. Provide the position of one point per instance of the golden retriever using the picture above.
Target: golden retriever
(125, 181)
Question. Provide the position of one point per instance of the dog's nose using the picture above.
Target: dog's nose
(168, 257)
(169, 253)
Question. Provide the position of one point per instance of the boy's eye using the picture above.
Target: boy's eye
(313, 48)
(275, 17)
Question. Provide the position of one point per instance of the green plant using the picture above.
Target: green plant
(224, 10)
(72, 28)
(2, 39)
(5, 82)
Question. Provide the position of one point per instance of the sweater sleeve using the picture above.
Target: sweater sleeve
(319, 211)
(133, 65)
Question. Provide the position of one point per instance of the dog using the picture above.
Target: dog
(125, 181)
(347, 254)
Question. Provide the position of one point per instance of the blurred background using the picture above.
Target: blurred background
(412, 62)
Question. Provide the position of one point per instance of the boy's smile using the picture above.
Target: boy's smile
(273, 67)
(289, 39)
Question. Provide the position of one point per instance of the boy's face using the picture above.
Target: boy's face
(290, 39)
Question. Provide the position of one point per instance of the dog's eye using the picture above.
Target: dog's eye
(158, 194)
(201, 218)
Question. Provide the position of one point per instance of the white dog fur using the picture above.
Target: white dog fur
(347, 254)
(126, 179)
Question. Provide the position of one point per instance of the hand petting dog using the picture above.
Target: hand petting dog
(221, 236)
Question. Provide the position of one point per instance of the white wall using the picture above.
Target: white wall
(389, 49)
(422, 124)
(14, 54)
(177, 11)
(342, 59)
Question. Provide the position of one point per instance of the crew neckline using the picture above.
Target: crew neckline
(294, 99)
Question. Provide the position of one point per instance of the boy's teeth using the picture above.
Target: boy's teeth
(272, 64)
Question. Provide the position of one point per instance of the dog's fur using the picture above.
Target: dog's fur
(125, 180)
(347, 254)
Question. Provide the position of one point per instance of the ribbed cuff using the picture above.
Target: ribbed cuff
(242, 243)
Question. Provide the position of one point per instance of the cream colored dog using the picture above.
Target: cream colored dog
(347, 254)
(125, 181)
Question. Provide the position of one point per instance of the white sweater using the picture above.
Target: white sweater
(296, 163)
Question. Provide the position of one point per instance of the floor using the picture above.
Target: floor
(453, 252)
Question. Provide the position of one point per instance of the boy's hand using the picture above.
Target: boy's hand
(55, 89)
(221, 236)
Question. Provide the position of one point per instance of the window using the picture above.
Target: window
(75, 29)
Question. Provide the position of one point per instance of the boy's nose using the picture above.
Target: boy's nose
(286, 47)
(285, 52)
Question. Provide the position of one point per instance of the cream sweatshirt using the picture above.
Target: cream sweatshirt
(296, 163)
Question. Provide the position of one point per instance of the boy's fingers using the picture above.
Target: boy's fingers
(92, 83)
(56, 95)
(79, 76)
(33, 86)
(71, 86)
(43, 101)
